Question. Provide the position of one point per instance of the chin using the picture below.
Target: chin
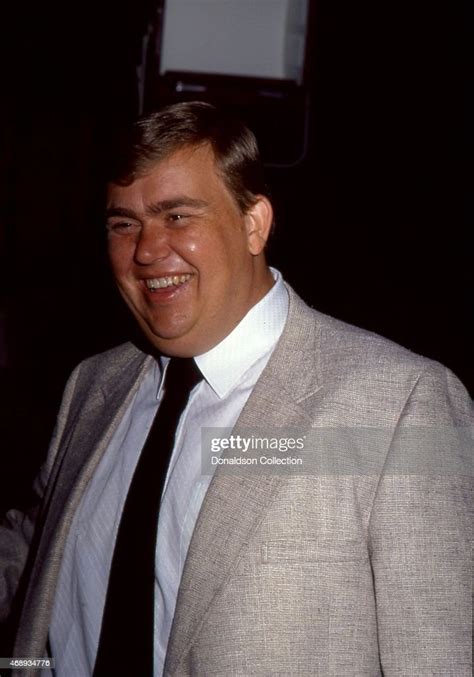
(168, 343)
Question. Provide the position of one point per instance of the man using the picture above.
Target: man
(361, 568)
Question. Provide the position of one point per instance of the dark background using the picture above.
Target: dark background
(369, 225)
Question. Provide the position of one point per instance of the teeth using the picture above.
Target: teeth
(170, 281)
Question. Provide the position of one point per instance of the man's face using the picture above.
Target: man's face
(187, 262)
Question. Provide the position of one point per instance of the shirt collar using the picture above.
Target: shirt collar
(255, 336)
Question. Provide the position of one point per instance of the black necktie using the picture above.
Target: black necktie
(127, 632)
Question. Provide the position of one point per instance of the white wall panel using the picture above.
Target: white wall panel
(257, 38)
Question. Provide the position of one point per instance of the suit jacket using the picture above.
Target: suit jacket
(361, 569)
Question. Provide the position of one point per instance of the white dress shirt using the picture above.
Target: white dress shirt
(230, 371)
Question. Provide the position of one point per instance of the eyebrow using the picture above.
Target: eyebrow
(174, 203)
(120, 211)
(157, 207)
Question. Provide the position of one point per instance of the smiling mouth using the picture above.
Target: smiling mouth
(155, 283)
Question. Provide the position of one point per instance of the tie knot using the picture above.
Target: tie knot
(182, 374)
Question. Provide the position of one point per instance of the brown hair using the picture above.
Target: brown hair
(157, 135)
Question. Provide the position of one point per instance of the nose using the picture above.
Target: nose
(152, 245)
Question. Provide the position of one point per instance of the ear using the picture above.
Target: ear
(258, 222)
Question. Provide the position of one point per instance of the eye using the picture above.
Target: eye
(121, 226)
(176, 218)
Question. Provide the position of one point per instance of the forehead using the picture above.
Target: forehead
(186, 170)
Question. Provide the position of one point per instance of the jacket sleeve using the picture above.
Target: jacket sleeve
(17, 528)
(420, 534)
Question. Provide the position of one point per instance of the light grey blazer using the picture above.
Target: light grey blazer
(361, 569)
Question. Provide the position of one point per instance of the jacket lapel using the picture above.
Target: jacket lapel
(235, 505)
(89, 434)
(92, 429)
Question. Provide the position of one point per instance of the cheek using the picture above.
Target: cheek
(200, 250)
(120, 256)
(216, 250)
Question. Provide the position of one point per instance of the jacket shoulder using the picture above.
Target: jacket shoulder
(368, 373)
(343, 345)
(98, 368)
